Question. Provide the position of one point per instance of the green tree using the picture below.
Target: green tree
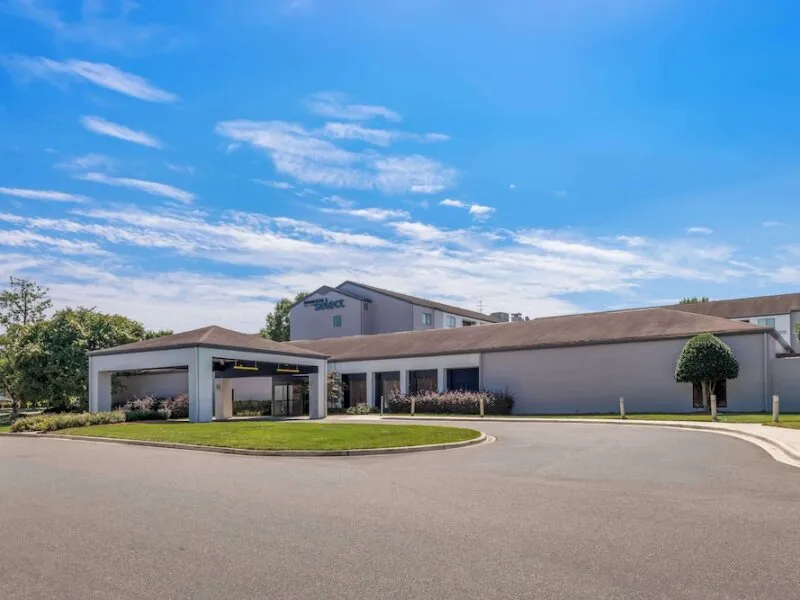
(276, 326)
(23, 302)
(336, 389)
(693, 299)
(49, 360)
(149, 334)
(705, 360)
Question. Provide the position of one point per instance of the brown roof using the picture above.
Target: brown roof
(448, 308)
(745, 307)
(211, 337)
(572, 330)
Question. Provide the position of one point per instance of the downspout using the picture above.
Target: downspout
(766, 370)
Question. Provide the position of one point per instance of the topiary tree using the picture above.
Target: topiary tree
(705, 360)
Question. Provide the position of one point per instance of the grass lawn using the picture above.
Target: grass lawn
(784, 422)
(266, 435)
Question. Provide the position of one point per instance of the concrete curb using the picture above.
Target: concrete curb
(243, 451)
(787, 450)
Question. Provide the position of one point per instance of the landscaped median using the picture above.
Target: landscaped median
(283, 437)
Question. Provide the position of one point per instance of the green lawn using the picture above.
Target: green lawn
(266, 435)
(795, 424)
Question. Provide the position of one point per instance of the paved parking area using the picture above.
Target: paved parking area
(557, 511)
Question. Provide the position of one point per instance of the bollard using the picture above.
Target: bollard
(621, 407)
(482, 406)
(713, 407)
(413, 400)
(776, 411)
(382, 403)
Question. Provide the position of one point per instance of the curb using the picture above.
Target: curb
(246, 452)
(787, 450)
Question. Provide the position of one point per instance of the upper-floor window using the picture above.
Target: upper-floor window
(337, 320)
(427, 319)
(451, 321)
(767, 322)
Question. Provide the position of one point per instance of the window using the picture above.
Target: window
(337, 320)
(468, 323)
(767, 322)
(427, 319)
(451, 321)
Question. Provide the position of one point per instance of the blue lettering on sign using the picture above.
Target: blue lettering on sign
(324, 304)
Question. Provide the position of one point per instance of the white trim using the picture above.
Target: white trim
(417, 363)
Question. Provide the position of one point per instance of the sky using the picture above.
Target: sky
(190, 163)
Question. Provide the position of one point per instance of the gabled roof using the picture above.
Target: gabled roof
(573, 330)
(448, 308)
(325, 289)
(211, 337)
(756, 306)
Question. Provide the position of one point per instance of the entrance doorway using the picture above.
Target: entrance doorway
(355, 390)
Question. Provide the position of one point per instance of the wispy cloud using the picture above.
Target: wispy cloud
(774, 224)
(183, 169)
(102, 127)
(100, 74)
(29, 239)
(48, 195)
(699, 230)
(336, 105)
(379, 137)
(303, 155)
(88, 162)
(277, 185)
(150, 187)
(478, 211)
(512, 186)
(97, 23)
(370, 214)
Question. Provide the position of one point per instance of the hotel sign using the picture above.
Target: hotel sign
(324, 303)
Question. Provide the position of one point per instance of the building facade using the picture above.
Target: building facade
(357, 309)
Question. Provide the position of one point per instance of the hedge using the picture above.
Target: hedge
(44, 423)
(456, 402)
(252, 408)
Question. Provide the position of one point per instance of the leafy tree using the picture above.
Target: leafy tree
(705, 360)
(693, 299)
(23, 302)
(336, 389)
(149, 334)
(276, 326)
(48, 360)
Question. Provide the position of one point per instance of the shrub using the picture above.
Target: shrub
(177, 407)
(44, 423)
(456, 402)
(361, 409)
(145, 415)
(252, 408)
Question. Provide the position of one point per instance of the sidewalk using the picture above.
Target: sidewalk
(782, 444)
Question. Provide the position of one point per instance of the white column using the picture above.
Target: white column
(370, 388)
(223, 399)
(99, 390)
(404, 382)
(441, 379)
(201, 387)
(318, 393)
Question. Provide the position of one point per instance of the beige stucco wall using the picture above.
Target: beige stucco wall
(590, 379)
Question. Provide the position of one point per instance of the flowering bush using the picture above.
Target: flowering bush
(66, 421)
(252, 408)
(457, 402)
(177, 407)
(361, 409)
(169, 408)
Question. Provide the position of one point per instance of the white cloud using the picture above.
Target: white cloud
(278, 185)
(97, 24)
(634, 241)
(48, 195)
(150, 187)
(774, 224)
(478, 211)
(370, 214)
(420, 231)
(300, 154)
(337, 106)
(700, 230)
(100, 126)
(453, 203)
(560, 193)
(88, 162)
(29, 239)
(512, 186)
(183, 169)
(544, 241)
(100, 74)
(379, 137)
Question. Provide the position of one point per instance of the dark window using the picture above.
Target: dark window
(463, 379)
(337, 320)
(385, 384)
(355, 389)
(422, 381)
(770, 322)
(468, 323)
(427, 319)
(720, 389)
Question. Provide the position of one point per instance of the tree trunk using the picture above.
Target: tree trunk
(706, 387)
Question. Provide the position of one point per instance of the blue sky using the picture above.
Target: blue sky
(189, 163)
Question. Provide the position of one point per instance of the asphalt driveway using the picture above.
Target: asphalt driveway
(557, 511)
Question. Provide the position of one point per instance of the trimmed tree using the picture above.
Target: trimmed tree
(705, 360)
(693, 300)
(276, 324)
